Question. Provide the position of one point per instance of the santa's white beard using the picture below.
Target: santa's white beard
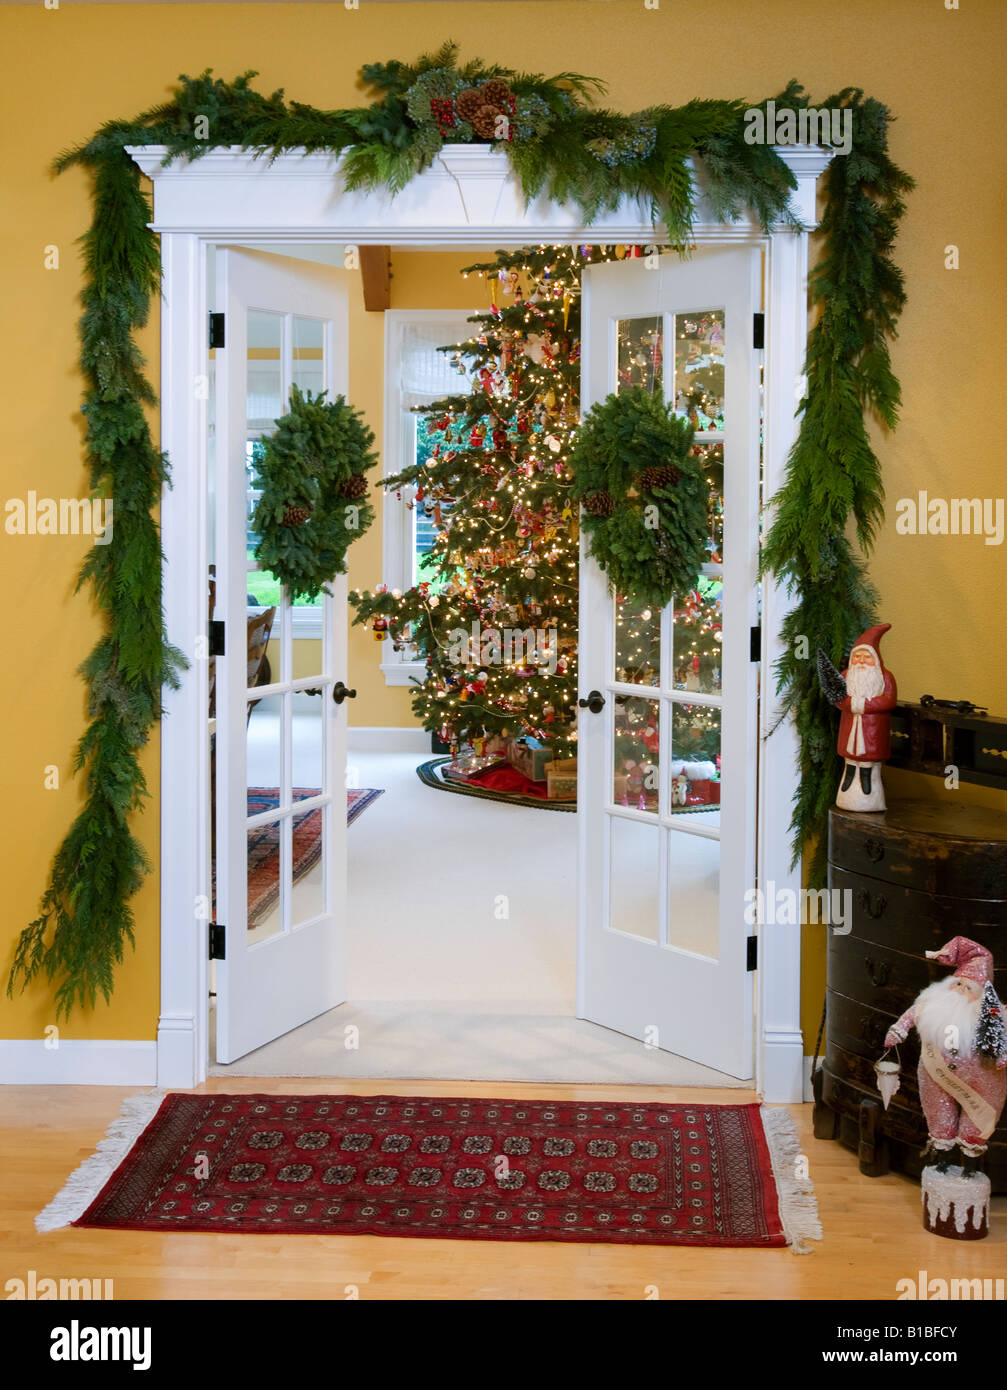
(865, 682)
(940, 1008)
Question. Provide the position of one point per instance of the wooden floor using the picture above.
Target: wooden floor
(873, 1234)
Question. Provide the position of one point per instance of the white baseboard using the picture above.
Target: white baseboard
(807, 1077)
(78, 1062)
(391, 740)
(782, 1066)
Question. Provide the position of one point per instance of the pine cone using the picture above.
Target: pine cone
(599, 504)
(661, 475)
(295, 516)
(495, 92)
(467, 103)
(355, 487)
(484, 122)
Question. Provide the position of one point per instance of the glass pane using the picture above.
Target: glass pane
(636, 752)
(699, 368)
(264, 379)
(309, 357)
(634, 878)
(265, 916)
(696, 637)
(695, 762)
(694, 893)
(307, 895)
(308, 747)
(711, 457)
(640, 353)
(264, 756)
(637, 643)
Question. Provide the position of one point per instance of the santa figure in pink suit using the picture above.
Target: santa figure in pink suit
(963, 1053)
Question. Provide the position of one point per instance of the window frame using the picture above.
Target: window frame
(397, 538)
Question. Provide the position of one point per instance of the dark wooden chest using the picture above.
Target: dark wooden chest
(917, 875)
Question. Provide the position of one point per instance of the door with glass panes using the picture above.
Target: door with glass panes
(668, 744)
(278, 724)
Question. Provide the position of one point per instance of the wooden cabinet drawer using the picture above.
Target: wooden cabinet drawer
(933, 846)
(912, 921)
(857, 1026)
(884, 978)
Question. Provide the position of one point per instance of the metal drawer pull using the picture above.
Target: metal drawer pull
(879, 974)
(875, 850)
(872, 1030)
(873, 908)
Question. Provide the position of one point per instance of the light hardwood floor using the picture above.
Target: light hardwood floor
(873, 1231)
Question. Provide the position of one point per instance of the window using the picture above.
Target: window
(416, 374)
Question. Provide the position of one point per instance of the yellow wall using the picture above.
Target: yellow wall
(71, 69)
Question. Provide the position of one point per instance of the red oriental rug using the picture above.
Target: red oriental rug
(611, 1172)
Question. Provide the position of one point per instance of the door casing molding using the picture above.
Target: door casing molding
(468, 196)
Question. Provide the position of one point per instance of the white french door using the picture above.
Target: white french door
(279, 736)
(668, 763)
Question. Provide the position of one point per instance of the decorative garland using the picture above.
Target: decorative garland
(314, 502)
(557, 144)
(645, 497)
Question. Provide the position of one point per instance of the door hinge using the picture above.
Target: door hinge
(758, 331)
(217, 331)
(751, 953)
(218, 941)
(217, 639)
(755, 643)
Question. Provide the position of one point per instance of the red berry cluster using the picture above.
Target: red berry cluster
(443, 111)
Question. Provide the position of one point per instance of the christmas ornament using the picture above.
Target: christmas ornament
(887, 1073)
(865, 693)
(962, 1082)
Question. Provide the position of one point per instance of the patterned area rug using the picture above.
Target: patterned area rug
(264, 842)
(579, 1170)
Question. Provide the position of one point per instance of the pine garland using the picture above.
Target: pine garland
(832, 472)
(558, 143)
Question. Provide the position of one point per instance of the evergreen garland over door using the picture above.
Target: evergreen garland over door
(560, 144)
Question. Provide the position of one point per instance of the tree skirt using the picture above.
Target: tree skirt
(611, 1172)
(264, 843)
(495, 784)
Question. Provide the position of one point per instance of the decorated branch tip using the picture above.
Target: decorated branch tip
(645, 499)
(314, 504)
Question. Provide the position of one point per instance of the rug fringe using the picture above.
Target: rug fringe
(798, 1203)
(85, 1182)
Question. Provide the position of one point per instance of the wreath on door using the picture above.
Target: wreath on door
(314, 501)
(644, 495)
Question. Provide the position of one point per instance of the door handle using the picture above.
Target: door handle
(595, 702)
(341, 693)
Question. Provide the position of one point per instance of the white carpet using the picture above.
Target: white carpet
(461, 951)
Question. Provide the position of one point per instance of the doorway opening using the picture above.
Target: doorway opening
(461, 916)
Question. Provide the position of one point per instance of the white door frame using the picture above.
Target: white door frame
(468, 196)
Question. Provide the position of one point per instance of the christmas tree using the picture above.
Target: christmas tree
(495, 616)
(495, 613)
(991, 1035)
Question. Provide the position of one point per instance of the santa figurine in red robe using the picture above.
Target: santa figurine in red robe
(963, 1054)
(865, 694)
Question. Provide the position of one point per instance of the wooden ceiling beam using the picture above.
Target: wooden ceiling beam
(374, 268)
